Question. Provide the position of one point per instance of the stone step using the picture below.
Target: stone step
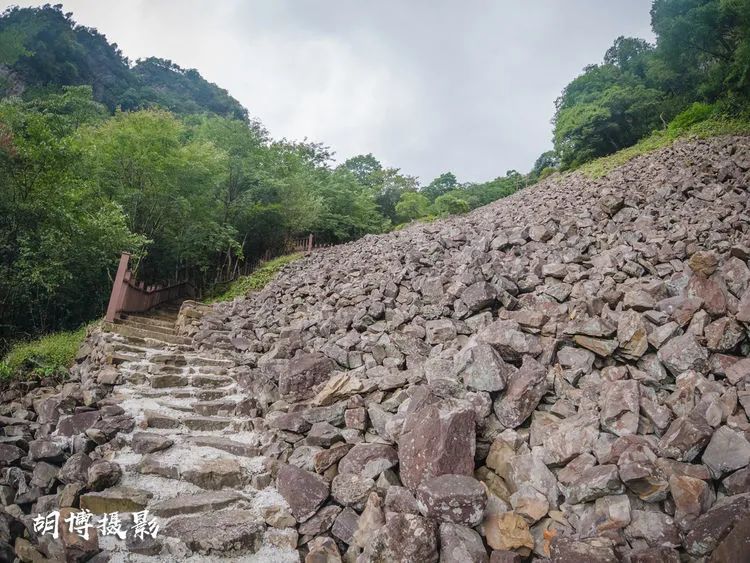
(207, 423)
(143, 319)
(228, 445)
(205, 380)
(199, 361)
(188, 409)
(146, 327)
(163, 314)
(213, 408)
(161, 369)
(160, 421)
(129, 349)
(200, 502)
(146, 335)
(168, 359)
(161, 381)
(208, 370)
(187, 393)
(120, 357)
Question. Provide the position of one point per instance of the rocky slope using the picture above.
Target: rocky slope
(560, 375)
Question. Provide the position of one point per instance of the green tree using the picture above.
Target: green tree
(168, 185)
(450, 204)
(366, 169)
(58, 239)
(705, 44)
(601, 112)
(440, 186)
(548, 160)
(412, 205)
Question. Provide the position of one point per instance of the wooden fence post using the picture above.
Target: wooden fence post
(118, 288)
(310, 243)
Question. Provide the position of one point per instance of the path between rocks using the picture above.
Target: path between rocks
(192, 459)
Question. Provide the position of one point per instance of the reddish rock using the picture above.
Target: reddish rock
(711, 292)
(77, 423)
(304, 372)
(686, 437)
(436, 442)
(713, 526)
(302, 490)
(683, 353)
(459, 544)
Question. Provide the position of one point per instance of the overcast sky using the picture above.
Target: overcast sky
(425, 85)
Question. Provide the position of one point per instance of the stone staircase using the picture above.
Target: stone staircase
(193, 458)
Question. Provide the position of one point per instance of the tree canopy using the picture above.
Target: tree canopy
(702, 54)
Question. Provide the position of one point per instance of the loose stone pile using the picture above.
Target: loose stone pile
(560, 375)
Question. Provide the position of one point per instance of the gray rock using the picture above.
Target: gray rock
(727, 451)
(226, 530)
(523, 394)
(459, 544)
(482, 368)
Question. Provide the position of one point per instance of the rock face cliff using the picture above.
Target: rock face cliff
(560, 375)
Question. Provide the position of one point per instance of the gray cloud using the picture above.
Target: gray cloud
(427, 86)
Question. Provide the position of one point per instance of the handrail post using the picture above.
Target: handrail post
(310, 243)
(118, 288)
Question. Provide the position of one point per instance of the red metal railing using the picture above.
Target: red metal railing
(129, 296)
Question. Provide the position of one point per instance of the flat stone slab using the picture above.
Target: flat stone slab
(208, 423)
(168, 380)
(214, 474)
(225, 444)
(157, 420)
(211, 380)
(224, 531)
(147, 442)
(116, 499)
(201, 502)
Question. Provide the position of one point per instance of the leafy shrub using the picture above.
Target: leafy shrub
(254, 281)
(450, 204)
(49, 355)
(696, 113)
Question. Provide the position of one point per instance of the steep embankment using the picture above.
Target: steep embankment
(563, 372)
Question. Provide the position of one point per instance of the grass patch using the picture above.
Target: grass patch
(678, 129)
(254, 281)
(48, 356)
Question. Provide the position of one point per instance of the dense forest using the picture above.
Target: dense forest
(100, 154)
